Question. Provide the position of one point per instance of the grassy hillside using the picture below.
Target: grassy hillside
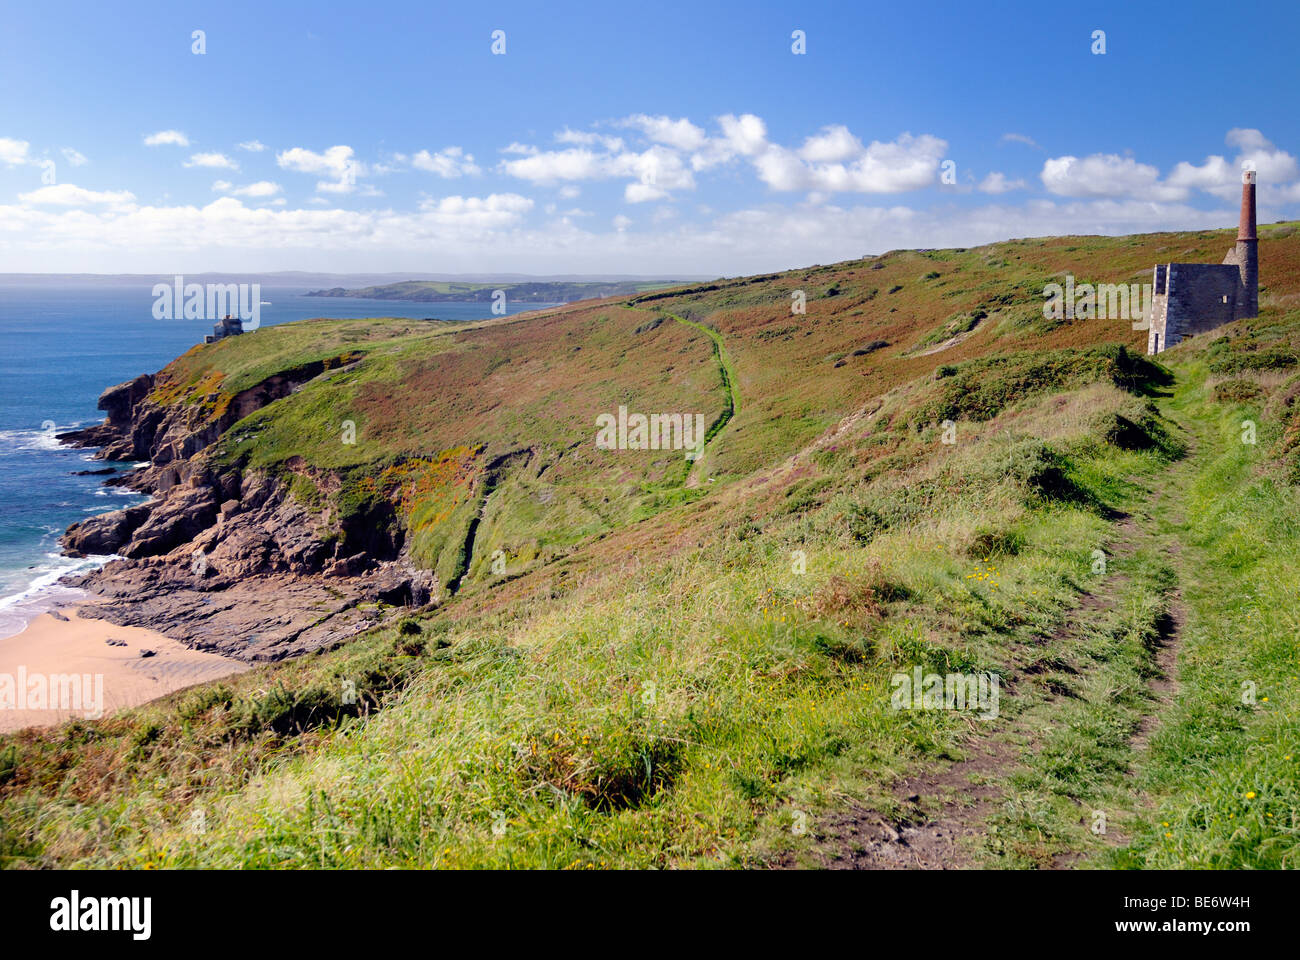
(689, 664)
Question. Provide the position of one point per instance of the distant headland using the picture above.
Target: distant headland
(534, 291)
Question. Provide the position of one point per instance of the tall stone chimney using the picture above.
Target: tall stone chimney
(1248, 248)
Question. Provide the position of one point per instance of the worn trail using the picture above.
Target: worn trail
(726, 371)
(942, 814)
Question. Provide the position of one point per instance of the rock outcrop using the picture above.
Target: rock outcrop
(106, 533)
(114, 435)
(227, 560)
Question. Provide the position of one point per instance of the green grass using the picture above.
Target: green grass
(675, 721)
(727, 374)
(676, 675)
(1224, 772)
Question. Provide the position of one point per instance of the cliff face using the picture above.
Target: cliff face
(114, 434)
(224, 559)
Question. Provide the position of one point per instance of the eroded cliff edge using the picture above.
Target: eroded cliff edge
(227, 559)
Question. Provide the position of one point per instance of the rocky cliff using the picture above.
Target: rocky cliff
(225, 559)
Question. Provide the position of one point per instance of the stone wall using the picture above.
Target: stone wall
(1156, 333)
(1191, 298)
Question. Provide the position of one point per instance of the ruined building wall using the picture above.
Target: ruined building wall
(1202, 296)
(1157, 333)
(1192, 298)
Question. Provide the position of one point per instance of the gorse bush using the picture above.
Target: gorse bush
(1237, 391)
(981, 389)
(1226, 357)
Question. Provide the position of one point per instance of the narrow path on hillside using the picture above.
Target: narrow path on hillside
(943, 816)
(726, 370)
(1167, 510)
(943, 813)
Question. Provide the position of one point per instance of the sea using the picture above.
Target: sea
(60, 347)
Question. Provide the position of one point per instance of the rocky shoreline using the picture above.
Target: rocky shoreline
(223, 559)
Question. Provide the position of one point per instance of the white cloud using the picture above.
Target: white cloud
(258, 190)
(908, 163)
(74, 157)
(1020, 138)
(997, 182)
(553, 165)
(102, 233)
(744, 136)
(335, 160)
(641, 192)
(167, 138)
(833, 145)
(588, 139)
(680, 134)
(655, 171)
(1214, 172)
(831, 161)
(252, 146)
(336, 186)
(1258, 153)
(493, 211)
(658, 167)
(448, 163)
(490, 233)
(1109, 175)
(1222, 178)
(1247, 138)
(217, 161)
(13, 152)
(68, 227)
(1106, 175)
(339, 161)
(70, 195)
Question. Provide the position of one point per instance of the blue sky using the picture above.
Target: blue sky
(620, 138)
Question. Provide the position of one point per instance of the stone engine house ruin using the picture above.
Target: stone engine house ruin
(1190, 298)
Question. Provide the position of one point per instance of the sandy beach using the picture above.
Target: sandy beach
(38, 664)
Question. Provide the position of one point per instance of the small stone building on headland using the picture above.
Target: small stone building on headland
(227, 327)
(1189, 298)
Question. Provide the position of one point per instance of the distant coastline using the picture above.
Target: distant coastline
(442, 291)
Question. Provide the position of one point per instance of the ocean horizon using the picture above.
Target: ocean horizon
(60, 348)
